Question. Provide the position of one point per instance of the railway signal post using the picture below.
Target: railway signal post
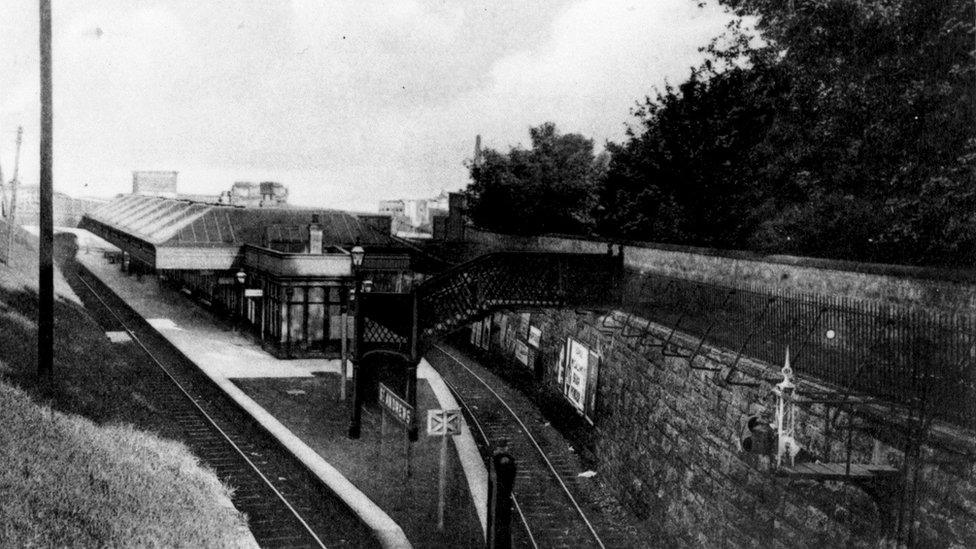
(443, 423)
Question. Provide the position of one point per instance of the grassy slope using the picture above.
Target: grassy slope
(67, 481)
(94, 480)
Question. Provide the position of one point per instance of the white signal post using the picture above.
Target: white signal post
(443, 423)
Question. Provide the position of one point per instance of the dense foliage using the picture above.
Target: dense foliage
(845, 130)
(548, 188)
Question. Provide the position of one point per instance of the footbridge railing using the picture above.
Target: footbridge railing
(517, 280)
(469, 290)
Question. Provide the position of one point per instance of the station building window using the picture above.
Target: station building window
(306, 318)
(271, 321)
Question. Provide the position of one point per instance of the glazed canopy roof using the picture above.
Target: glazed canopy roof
(174, 222)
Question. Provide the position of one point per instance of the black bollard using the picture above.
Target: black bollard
(501, 479)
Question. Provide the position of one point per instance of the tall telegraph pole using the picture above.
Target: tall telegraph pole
(3, 196)
(12, 206)
(45, 313)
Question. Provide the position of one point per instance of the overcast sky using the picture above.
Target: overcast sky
(345, 103)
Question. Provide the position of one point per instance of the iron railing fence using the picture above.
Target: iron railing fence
(900, 355)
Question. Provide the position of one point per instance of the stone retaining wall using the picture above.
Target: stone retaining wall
(667, 440)
(895, 285)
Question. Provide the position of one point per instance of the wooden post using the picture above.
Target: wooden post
(412, 429)
(45, 312)
(406, 442)
(345, 356)
(442, 484)
(382, 432)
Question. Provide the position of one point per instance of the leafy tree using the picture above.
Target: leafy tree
(846, 132)
(681, 179)
(549, 188)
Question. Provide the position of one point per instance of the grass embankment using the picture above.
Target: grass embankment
(68, 481)
(96, 480)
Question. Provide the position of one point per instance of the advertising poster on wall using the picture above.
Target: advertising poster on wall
(576, 370)
(486, 334)
(535, 336)
(509, 337)
(578, 376)
(476, 334)
(502, 330)
(522, 352)
(523, 327)
(561, 365)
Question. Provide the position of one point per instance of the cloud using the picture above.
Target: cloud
(602, 59)
(346, 102)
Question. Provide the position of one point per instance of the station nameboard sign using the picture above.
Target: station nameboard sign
(397, 407)
(254, 292)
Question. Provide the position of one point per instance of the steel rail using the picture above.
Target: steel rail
(203, 412)
(538, 448)
(484, 436)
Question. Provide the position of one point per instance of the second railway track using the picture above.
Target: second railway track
(286, 505)
(545, 505)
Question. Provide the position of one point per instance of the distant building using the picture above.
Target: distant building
(266, 194)
(154, 183)
(414, 214)
(67, 210)
(393, 208)
(416, 211)
(450, 226)
(439, 205)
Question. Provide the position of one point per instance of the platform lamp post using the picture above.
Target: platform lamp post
(358, 254)
(241, 278)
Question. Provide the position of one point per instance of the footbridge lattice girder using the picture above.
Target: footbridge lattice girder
(517, 280)
(470, 290)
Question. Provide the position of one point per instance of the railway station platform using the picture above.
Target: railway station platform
(297, 401)
(395, 489)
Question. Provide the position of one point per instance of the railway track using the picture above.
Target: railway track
(285, 504)
(545, 505)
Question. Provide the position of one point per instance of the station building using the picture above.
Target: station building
(284, 273)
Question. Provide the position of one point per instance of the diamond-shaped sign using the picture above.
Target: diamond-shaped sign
(443, 422)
